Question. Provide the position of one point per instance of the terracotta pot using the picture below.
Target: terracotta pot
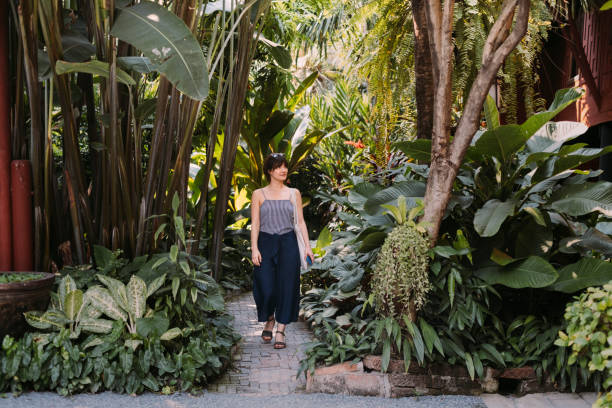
(19, 297)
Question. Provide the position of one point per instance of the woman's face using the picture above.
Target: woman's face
(279, 173)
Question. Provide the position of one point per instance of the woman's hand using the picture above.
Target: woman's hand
(256, 257)
(309, 254)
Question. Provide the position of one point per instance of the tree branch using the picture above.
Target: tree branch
(500, 34)
(471, 112)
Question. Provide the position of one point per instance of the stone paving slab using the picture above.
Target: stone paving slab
(257, 367)
(541, 400)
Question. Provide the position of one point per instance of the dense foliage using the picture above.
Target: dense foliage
(156, 323)
(19, 277)
(589, 335)
(518, 239)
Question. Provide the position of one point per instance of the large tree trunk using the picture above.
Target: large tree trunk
(423, 71)
(446, 157)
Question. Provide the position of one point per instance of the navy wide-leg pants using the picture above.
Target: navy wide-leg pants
(276, 282)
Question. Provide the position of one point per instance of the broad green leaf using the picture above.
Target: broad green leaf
(469, 363)
(446, 251)
(88, 310)
(276, 122)
(301, 89)
(533, 239)
(579, 157)
(386, 355)
(136, 296)
(491, 216)
(606, 6)
(605, 227)
(116, 288)
(93, 67)
(372, 241)
(38, 321)
(176, 282)
(167, 42)
(185, 267)
(410, 189)
(505, 140)
(431, 337)
(325, 238)
(138, 64)
(501, 142)
(359, 194)
(102, 300)
(76, 47)
(536, 214)
(180, 231)
(173, 253)
(592, 239)
(494, 354)
(581, 199)
(417, 340)
(155, 326)
(155, 284)
(419, 149)
(563, 98)
(533, 272)
(583, 274)
(280, 54)
(491, 115)
(73, 303)
(171, 334)
(133, 344)
(66, 286)
(102, 326)
(500, 257)
(550, 137)
(96, 341)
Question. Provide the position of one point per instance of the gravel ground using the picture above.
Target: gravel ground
(217, 400)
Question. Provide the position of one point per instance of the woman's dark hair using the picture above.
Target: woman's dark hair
(272, 162)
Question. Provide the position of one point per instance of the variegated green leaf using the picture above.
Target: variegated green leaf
(176, 282)
(104, 302)
(156, 284)
(171, 334)
(96, 341)
(185, 267)
(66, 286)
(102, 326)
(88, 310)
(133, 344)
(73, 303)
(116, 289)
(36, 320)
(136, 296)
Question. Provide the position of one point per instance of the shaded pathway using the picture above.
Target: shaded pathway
(259, 368)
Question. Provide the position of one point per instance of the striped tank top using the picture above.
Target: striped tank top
(276, 216)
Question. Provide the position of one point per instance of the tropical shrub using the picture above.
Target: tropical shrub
(400, 280)
(589, 337)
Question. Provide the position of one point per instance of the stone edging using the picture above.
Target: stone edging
(365, 378)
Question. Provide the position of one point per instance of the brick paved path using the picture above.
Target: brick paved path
(258, 368)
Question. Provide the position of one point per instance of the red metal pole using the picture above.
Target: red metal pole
(5, 145)
(21, 197)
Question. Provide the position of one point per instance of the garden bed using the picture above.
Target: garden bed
(366, 378)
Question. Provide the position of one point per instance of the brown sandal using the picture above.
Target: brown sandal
(280, 344)
(266, 335)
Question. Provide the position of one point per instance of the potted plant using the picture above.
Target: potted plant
(21, 292)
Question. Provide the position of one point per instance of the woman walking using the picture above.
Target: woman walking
(274, 250)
